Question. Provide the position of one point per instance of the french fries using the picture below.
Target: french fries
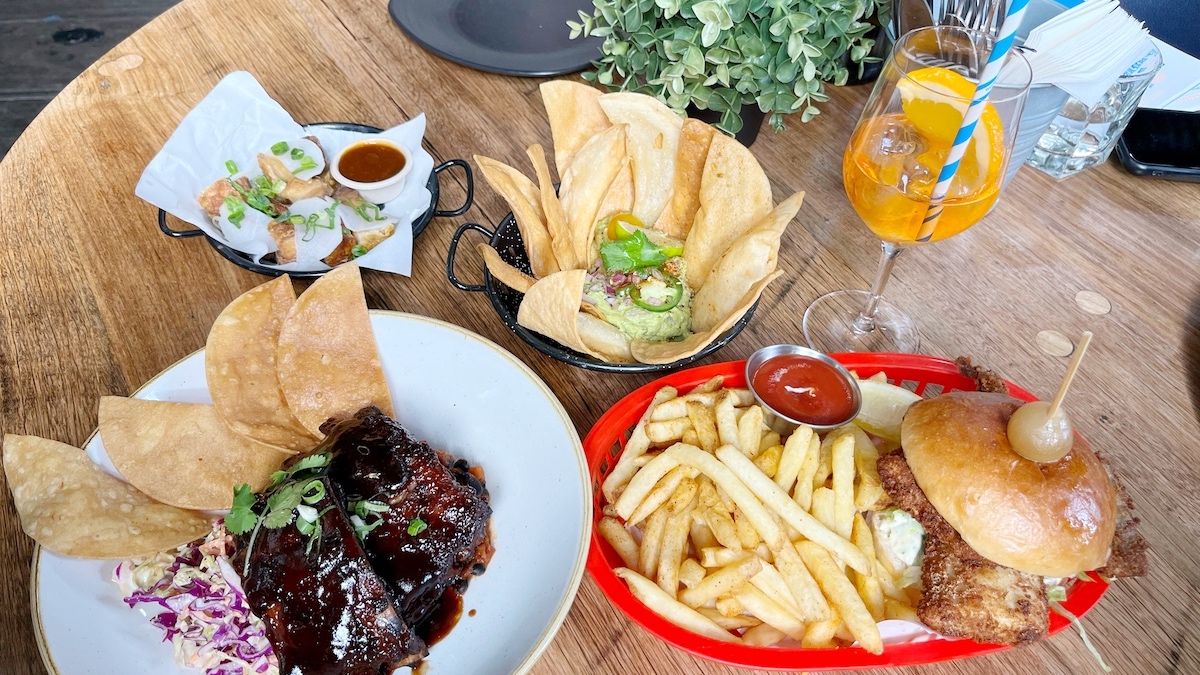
(675, 536)
(750, 431)
(670, 609)
(620, 539)
(635, 447)
(658, 495)
(843, 486)
(868, 586)
(842, 596)
(677, 407)
(723, 581)
(643, 483)
(770, 612)
(704, 422)
(742, 530)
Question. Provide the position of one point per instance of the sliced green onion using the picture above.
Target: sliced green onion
(237, 218)
(361, 528)
(364, 507)
(296, 219)
(358, 250)
(313, 492)
(231, 166)
(278, 186)
(305, 513)
(307, 163)
(417, 526)
(297, 153)
(279, 148)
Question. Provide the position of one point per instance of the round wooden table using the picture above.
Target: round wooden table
(94, 300)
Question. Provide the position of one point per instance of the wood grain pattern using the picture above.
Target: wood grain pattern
(94, 301)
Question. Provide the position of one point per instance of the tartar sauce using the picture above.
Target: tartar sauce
(900, 536)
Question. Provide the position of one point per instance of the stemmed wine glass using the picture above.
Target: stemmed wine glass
(893, 160)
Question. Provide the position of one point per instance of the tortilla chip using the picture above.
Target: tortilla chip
(525, 201)
(652, 141)
(327, 360)
(619, 198)
(734, 195)
(507, 274)
(587, 182)
(561, 241)
(182, 454)
(551, 307)
(239, 364)
(748, 260)
(575, 116)
(676, 219)
(70, 506)
(669, 352)
(603, 339)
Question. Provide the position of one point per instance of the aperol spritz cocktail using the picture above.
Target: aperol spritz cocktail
(893, 161)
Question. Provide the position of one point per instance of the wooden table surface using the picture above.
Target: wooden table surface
(94, 300)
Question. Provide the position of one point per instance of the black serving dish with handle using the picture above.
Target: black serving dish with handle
(243, 260)
(506, 239)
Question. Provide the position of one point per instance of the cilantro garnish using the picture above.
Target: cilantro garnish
(289, 498)
(633, 252)
(241, 518)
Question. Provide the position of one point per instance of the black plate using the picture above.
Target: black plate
(529, 38)
(242, 260)
(507, 242)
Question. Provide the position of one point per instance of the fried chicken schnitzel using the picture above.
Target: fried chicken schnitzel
(965, 595)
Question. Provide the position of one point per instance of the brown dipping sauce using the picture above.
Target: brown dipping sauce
(443, 619)
(371, 161)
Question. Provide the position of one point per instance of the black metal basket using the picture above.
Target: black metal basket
(506, 239)
(243, 260)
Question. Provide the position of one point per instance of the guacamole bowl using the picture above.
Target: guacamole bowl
(506, 240)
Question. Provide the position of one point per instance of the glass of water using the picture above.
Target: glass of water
(1081, 137)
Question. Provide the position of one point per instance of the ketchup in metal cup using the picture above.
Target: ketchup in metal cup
(804, 389)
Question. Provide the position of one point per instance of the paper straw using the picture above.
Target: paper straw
(1008, 33)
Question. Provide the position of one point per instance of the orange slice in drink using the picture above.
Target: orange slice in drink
(935, 100)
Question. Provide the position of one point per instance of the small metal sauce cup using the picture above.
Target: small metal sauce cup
(758, 358)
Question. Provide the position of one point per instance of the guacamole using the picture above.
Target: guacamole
(638, 283)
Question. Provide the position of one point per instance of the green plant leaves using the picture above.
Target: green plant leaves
(723, 54)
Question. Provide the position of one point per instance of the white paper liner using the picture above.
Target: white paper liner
(238, 119)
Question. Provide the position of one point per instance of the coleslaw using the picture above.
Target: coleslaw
(204, 612)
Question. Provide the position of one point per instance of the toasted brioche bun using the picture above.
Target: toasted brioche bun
(1054, 520)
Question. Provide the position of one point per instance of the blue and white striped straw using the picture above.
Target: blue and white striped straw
(987, 78)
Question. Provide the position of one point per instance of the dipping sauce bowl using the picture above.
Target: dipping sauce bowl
(376, 167)
(803, 386)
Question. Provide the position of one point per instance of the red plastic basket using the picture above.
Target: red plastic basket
(925, 375)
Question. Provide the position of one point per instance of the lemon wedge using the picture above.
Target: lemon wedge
(883, 408)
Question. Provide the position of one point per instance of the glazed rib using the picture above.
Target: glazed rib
(377, 459)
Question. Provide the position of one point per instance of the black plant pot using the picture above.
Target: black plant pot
(870, 71)
(752, 121)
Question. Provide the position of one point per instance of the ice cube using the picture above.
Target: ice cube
(895, 137)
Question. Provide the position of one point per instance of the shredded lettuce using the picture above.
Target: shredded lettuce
(201, 607)
(1057, 594)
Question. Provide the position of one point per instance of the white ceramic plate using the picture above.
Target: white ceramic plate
(463, 394)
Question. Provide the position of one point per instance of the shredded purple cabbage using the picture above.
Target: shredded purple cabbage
(197, 601)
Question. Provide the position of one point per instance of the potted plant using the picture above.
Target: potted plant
(736, 60)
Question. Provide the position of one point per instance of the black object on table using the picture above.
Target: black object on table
(512, 37)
